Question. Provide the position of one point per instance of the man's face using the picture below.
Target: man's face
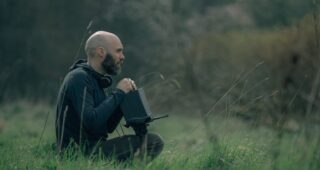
(114, 58)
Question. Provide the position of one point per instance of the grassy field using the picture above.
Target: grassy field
(26, 143)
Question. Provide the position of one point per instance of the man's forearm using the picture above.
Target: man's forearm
(95, 119)
(114, 120)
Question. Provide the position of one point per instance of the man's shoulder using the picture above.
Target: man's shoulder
(77, 75)
(78, 72)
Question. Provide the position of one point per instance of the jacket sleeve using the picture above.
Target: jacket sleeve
(94, 118)
(114, 120)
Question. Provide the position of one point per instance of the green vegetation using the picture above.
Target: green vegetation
(48, 34)
(241, 146)
(239, 78)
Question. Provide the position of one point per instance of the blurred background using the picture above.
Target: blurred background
(256, 61)
(260, 57)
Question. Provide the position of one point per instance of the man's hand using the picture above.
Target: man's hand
(126, 85)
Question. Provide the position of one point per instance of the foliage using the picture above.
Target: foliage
(278, 12)
(24, 146)
(42, 38)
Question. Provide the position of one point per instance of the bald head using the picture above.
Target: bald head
(105, 52)
(101, 39)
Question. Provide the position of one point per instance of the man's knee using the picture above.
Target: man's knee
(155, 143)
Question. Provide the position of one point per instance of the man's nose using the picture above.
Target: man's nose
(122, 57)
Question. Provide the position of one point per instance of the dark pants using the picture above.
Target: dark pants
(125, 147)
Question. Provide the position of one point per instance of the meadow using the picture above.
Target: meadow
(239, 78)
(27, 138)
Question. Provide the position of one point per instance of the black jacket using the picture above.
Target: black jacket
(83, 109)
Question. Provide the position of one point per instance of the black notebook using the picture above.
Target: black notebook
(135, 107)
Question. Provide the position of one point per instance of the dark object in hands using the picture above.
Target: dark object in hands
(136, 109)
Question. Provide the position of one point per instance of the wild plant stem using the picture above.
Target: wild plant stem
(82, 110)
(43, 129)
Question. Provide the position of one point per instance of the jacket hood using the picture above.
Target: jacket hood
(103, 80)
(82, 63)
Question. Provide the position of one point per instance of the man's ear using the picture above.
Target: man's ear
(101, 52)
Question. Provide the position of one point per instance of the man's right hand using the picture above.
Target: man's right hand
(126, 85)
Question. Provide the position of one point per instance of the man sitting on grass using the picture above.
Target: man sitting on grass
(85, 114)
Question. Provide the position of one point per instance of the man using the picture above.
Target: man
(85, 115)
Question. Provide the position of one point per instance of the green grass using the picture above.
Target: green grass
(240, 146)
